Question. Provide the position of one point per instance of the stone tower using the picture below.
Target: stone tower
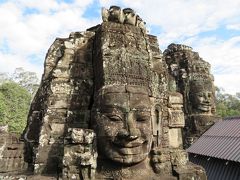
(190, 75)
(110, 105)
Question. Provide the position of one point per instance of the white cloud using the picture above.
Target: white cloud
(28, 35)
(229, 82)
(108, 3)
(223, 55)
(8, 62)
(233, 26)
(183, 18)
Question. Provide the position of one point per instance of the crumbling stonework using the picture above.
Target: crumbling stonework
(62, 101)
(11, 152)
(80, 153)
(110, 106)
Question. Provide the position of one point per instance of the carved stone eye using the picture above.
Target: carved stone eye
(200, 95)
(114, 118)
(142, 118)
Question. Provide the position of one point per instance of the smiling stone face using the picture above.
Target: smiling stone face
(202, 101)
(123, 126)
(201, 97)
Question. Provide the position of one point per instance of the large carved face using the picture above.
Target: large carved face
(202, 101)
(123, 126)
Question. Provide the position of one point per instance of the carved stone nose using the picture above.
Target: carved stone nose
(206, 98)
(123, 134)
(131, 126)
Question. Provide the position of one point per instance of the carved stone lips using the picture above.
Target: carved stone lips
(127, 144)
(205, 105)
(137, 150)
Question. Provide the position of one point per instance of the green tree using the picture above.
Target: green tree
(14, 105)
(3, 109)
(227, 104)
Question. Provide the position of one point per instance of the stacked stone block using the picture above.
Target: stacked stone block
(121, 55)
(11, 154)
(80, 154)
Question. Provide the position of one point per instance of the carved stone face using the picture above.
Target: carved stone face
(123, 126)
(202, 101)
(174, 69)
(130, 16)
(116, 14)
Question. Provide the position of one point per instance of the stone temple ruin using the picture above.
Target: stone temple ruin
(111, 105)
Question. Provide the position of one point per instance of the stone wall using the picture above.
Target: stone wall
(11, 153)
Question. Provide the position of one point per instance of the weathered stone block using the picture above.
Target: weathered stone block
(80, 153)
(175, 138)
(61, 72)
(59, 102)
(78, 119)
(61, 88)
(82, 136)
(179, 157)
(58, 128)
(82, 71)
(56, 115)
(190, 172)
(176, 118)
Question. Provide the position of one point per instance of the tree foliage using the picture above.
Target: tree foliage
(227, 105)
(14, 105)
(16, 92)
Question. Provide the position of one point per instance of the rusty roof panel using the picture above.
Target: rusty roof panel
(221, 141)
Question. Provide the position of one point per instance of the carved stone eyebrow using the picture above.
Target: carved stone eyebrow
(141, 108)
(108, 108)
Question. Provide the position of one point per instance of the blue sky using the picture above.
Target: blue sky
(211, 27)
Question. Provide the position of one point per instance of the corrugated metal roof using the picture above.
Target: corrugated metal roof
(217, 169)
(221, 141)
